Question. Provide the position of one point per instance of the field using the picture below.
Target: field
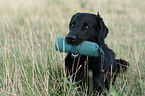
(29, 64)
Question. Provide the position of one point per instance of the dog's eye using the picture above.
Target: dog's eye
(73, 24)
(85, 26)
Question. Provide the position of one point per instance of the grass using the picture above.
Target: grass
(29, 65)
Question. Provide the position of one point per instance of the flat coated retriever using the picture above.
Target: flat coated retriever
(104, 68)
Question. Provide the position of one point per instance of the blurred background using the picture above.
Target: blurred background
(29, 65)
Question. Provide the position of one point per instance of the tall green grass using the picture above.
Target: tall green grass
(29, 65)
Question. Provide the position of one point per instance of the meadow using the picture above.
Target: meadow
(29, 64)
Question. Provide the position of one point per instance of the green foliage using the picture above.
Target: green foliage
(29, 65)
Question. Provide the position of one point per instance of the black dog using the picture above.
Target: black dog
(105, 68)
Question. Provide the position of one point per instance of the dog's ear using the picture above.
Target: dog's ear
(103, 30)
(73, 18)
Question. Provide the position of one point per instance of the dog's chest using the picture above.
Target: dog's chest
(94, 63)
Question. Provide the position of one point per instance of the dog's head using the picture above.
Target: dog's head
(86, 27)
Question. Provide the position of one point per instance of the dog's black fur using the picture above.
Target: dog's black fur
(105, 68)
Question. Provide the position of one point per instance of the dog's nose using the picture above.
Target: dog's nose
(71, 38)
